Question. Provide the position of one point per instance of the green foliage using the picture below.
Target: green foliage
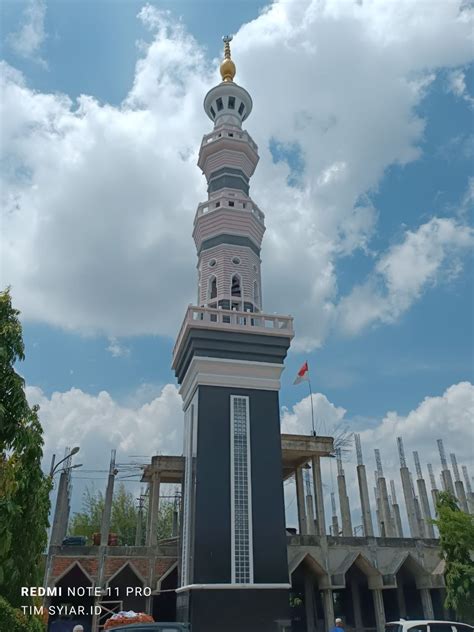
(13, 619)
(24, 490)
(124, 518)
(456, 530)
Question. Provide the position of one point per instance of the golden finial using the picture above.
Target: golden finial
(227, 67)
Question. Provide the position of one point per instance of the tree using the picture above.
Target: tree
(24, 489)
(456, 531)
(124, 517)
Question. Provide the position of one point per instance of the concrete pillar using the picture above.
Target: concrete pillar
(358, 622)
(427, 603)
(409, 502)
(461, 494)
(378, 511)
(60, 510)
(328, 606)
(434, 496)
(364, 501)
(153, 509)
(385, 507)
(138, 532)
(448, 481)
(300, 501)
(318, 492)
(470, 502)
(398, 520)
(379, 609)
(311, 526)
(309, 603)
(344, 506)
(419, 518)
(402, 605)
(107, 513)
(425, 508)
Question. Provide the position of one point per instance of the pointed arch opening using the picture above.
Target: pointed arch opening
(212, 288)
(236, 286)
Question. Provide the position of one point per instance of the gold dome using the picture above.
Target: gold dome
(227, 66)
(227, 70)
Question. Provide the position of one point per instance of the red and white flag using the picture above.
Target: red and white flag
(303, 374)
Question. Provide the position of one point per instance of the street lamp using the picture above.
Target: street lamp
(54, 468)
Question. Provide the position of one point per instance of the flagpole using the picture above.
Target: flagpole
(312, 409)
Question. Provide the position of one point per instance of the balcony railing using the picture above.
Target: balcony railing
(236, 204)
(232, 320)
(229, 133)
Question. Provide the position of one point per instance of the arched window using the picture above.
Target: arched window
(236, 289)
(256, 294)
(212, 288)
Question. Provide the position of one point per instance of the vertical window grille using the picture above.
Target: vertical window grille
(241, 492)
(188, 452)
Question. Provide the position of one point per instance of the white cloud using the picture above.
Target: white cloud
(117, 349)
(27, 41)
(98, 424)
(100, 199)
(426, 255)
(457, 85)
(448, 417)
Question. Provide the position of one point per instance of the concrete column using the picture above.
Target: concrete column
(328, 605)
(397, 520)
(409, 502)
(385, 508)
(434, 496)
(335, 526)
(138, 532)
(310, 515)
(402, 605)
(448, 482)
(309, 603)
(364, 501)
(344, 506)
(107, 513)
(378, 513)
(153, 509)
(302, 522)
(461, 494)
(318, 491)
(470, 502)
(379, 609)
(359, 624)
(419, 518)
(425, 508)
(60, 510)
(427, 603)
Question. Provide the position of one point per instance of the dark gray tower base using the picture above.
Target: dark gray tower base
(234, 570)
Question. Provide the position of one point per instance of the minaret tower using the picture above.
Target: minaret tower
(228, 359)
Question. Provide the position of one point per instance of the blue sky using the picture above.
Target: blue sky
(418, 345)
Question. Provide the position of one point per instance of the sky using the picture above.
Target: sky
(363, 117)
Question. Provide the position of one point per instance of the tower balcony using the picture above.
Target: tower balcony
(228, 132)
(230, 201)
(231, 321)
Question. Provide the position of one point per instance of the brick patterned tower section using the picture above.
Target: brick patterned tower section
(228, 359)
